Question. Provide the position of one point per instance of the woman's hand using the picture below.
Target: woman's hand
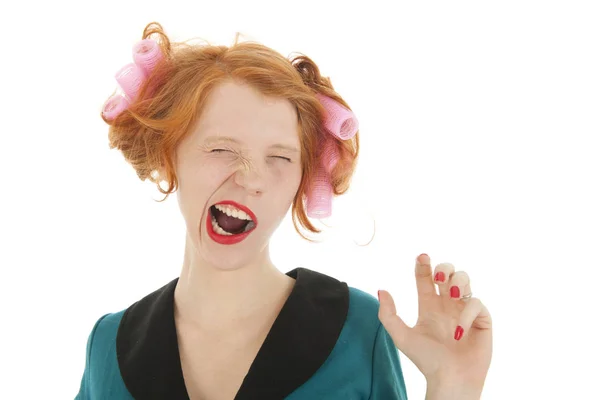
(451, 343)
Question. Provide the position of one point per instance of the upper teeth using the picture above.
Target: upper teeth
(233, 211)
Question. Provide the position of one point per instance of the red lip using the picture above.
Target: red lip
(233, 239)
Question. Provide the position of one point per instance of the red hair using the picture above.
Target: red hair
(173, 96)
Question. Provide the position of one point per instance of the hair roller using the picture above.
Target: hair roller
(330, 155)
(146, 54)
(319, 201)
(130, 78)
(339, 121)
(114, 106)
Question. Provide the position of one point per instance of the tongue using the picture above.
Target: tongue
(230, 224)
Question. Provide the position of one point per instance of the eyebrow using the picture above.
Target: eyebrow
(211, 140)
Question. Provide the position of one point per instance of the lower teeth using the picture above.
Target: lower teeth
(221, 231)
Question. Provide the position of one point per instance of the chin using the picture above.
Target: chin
(235, 256)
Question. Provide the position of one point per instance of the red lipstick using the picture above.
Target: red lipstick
(229, 239)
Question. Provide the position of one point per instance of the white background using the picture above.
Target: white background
(479, 128)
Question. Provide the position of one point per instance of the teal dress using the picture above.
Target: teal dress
(326, 343)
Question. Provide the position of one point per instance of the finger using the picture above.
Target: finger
(425, 286)
(474, 315)
(442, 275)
(459, 285)
(398, 330)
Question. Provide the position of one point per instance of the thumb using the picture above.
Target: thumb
(398, 330)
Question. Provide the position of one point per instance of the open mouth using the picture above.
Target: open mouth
(229, 220)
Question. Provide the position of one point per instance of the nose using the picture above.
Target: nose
(251, 177)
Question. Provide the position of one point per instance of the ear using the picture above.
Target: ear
(159, 174)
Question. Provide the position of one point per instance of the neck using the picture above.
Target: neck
(215, 300)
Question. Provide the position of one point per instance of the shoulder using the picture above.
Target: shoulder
(362, 300)
(103, 334)
(363, 308)
(105, 330)
(109, 325)
(110, 342)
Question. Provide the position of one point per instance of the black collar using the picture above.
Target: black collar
(300, 340)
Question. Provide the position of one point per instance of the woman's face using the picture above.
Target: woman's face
(244, 148)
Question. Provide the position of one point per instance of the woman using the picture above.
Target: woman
(242, 134)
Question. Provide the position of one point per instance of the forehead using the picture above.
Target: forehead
(241, 112)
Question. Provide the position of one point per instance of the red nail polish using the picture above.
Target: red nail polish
(440, 276)
(459, 332)
(455, 292)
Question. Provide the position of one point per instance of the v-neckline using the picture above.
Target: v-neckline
(261, 337)
(298, 343)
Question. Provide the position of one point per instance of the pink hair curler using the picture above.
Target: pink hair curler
(339, 121)
(319, 201)
(342, 124)
(130, 78)
(146, 54)
(114, 106)
(330, 155)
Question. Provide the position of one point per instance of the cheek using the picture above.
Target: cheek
(288, 180)
(285, 170)
(196, 185)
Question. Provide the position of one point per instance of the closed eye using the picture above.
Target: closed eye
(224, 150)
(283, 158)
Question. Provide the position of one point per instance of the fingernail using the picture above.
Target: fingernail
(455, 292)
(379, 295)
(459, 332)
(440, 276)
(421, 255)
